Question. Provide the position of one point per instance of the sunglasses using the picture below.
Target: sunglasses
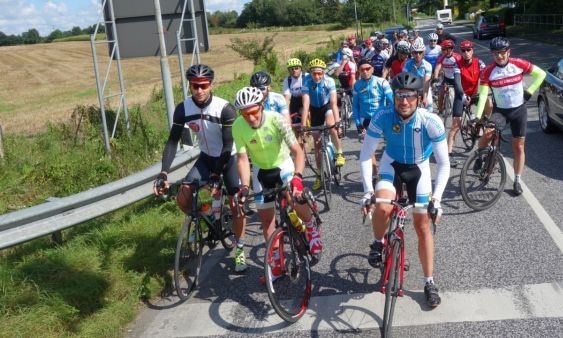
(406, 95)
(318, 73)
(418, 52)
(465, 50)
(365, 69)
(196, 86)
(250, 111)
(293, 68)
(262, 89)
(499, 52)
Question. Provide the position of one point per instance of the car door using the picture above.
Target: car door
(555, 93)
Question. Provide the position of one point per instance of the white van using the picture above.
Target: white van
(444, 15)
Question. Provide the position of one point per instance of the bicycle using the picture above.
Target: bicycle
(393, 254)
(200, 228)
(468, 131)
(480, 185)
(306, 141)
(328, 171)
(448, 103)
(345, 109)
(287, 251)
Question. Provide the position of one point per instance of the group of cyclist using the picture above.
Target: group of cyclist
(394, 105)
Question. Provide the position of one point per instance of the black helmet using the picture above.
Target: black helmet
(500, 42)
(200, 72)
(260, 79)
(406, 80)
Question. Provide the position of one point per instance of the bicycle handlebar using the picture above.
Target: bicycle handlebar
(405, 207)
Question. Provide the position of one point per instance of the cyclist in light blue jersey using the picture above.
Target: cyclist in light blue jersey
(272, 101)
(433, 50)
(412, 135)
(420, 67)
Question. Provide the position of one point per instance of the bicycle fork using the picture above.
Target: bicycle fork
(396, 238)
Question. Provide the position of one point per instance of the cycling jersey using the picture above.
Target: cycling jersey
(276, 102)
(368, 96)
(293, 85)
(395, 65)
(449, 65)
(432, 54)
(378, 63)
(506, 82)
(470, 75)
(211, 122)
(347, 74)
(319, 93)
(424, 70)
(267, 145)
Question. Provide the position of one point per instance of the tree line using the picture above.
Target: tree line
(32, 36)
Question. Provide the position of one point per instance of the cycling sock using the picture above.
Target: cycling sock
(240, 243)
(375, 240)
(517, 178)
(310, 224)
(428, 280)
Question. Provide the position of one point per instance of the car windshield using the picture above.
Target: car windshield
(491, 19)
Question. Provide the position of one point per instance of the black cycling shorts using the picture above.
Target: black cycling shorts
(205, 164)
(517, 117)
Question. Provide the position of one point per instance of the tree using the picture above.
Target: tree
(31, 36)
(252, 49)
(76, 31)
(56, 34)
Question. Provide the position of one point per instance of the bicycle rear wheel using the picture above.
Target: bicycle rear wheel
(392, 288)
(227, 235)
(187, 260)
(482, 181)
(346, 113)
(448, 106)
(468, 132)
(326, 178)
(287, 274)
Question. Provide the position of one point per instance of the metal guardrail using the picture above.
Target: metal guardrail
(537, 20)
(61, 213)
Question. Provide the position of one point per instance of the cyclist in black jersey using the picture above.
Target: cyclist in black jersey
(211, 119)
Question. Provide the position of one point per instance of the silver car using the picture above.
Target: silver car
(550, 100)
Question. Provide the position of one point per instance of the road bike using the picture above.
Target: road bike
(393, 254)
(327, 170)
(287, 261)
(345, 108)
(468, 131)
(483, 175)
(200, 228)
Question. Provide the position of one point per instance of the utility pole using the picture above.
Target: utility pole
(164, 66)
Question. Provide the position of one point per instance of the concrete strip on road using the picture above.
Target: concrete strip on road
(356, 312)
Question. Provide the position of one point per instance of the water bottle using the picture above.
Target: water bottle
(295, 220)
(331, 151)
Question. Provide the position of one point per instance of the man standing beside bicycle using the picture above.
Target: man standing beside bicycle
(412, 135)
(320, 103)
(267, 138)
(448, 63)
(504, 76)
(210, 118)
(470, 68)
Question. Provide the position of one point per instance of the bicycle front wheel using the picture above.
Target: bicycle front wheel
(392, 288)
(467, 131)
(482, 179)
(227, 236)
(187, 260)
(326, 178)
(346, 113)
(448, 106)
(287, 274)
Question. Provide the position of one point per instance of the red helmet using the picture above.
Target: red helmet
(447, 43)
(466, 44)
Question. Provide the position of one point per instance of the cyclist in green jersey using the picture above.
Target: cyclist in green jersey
(267, 138)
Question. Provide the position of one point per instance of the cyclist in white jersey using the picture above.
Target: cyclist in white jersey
(433, 50)
(448, 64)
(272, 101)
(504, 76)
(412, 135)
(291, 89)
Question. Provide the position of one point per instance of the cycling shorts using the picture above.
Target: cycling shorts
(318, 115)
(269, 179)
(205, 164)
(517, 117)
(295, 105)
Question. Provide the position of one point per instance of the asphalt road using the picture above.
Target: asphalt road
(500, 271)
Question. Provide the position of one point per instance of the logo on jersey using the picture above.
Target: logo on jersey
(396, 128)
(253, 141)
(417, 130)
(268, 138)
(194, 126)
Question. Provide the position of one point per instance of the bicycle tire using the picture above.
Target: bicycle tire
(346, 112)
(310, 160)
(392, 288)
(448, 106)
(476, 185)
(290, 292)
(228, 240)
(467, 131)
(187, 258)
(326, 178)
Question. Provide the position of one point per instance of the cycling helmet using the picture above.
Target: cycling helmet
(317, 63)
(447, 43)
(344, 43)
(440, 26)
(200, 73)
(418, 46)
(403, 47)
(331, 69)
(379, 45)
(294, 62)
(432, 36)
(348, 52)
(260, 79)
(499, 42)
(407, 80)
(356, 53)
(466, 44)
(364, 61)
(248, 97)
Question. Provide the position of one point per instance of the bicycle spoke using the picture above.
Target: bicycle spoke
(187, 259)
(480, 187)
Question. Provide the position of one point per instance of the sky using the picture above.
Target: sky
(18, 16)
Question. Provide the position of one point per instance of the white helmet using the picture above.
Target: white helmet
(418, 46)
(403, 47)
(247, 97)
(348, 52)
(332, 68)
(440, 26)
(432, 36)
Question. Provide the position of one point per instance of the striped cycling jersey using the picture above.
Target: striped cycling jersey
(410, 142)
(432, 54)
(276, 102)
(368, 96)
(423, 70)
(506, 82)
(449, 65)
(319, 93)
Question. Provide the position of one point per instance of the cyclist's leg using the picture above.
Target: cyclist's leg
(317, 119)
(383, 189)
(457, 113)
(200, 171)
(518, 120)
(268, 179)
(330, 119)
(231, 179)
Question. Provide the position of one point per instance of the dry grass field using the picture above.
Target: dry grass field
(43, 83)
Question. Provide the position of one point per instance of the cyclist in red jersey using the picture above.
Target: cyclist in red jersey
(470, 69)
(504, 76)
(395, 63)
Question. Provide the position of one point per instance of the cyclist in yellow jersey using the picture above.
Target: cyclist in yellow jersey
(267, 138)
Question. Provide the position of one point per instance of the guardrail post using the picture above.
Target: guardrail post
(57, 237)
(1, 143)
